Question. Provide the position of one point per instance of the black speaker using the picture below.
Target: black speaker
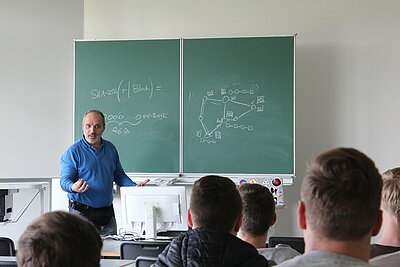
(6, 204)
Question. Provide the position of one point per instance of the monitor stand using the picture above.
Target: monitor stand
(150, 221)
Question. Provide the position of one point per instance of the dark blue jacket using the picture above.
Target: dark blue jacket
(209, 248)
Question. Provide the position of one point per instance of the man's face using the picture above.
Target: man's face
(93, 128)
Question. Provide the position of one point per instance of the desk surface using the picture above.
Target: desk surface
(103, 262)
(116, 263)
(111, 248)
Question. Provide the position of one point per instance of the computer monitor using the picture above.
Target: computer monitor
(154, 209)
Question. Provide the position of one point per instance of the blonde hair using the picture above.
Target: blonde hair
(391, 190)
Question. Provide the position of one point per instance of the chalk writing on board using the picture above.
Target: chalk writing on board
(126, 89)
(229, 109)
(123, 124)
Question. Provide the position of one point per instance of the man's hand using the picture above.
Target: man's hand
(143, 183)
(80, 186)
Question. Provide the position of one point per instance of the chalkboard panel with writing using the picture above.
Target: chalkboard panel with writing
(136, 83)
(239, 105)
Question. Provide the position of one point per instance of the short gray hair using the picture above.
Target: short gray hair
(95, 111)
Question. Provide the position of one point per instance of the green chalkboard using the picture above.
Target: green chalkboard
(238, 97)
(235, 97)
(136, 83)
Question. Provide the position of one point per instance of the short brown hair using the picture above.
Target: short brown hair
(215, 203)
(391, 191)
(59, 239)
(258, 209)
(341, 192)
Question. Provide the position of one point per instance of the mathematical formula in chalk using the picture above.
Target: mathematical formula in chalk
(122, 124)
(126, 89)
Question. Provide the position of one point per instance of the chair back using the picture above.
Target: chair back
(296, 243)
(131, 250)
(8, 263)
(143, 261)
(7, 247)
(171, 233)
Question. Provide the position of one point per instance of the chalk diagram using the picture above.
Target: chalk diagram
(224, 111)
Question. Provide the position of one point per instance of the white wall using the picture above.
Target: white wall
(36, 55)
(347, 64)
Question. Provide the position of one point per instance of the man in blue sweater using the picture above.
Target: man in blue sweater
(88, 170)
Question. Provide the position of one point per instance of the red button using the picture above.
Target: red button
(276, 182)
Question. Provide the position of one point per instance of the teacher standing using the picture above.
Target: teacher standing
(89, 168)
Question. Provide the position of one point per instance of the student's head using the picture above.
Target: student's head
(258, 209)
(93, 126)
(216, 204)
(341, 195)
(391, 191)
(59, 239)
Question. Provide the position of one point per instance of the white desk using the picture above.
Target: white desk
(103, 262)
(6, 259)
(116, 263)
(111, 248)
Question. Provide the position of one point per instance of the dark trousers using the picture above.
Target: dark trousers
(103, 218)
